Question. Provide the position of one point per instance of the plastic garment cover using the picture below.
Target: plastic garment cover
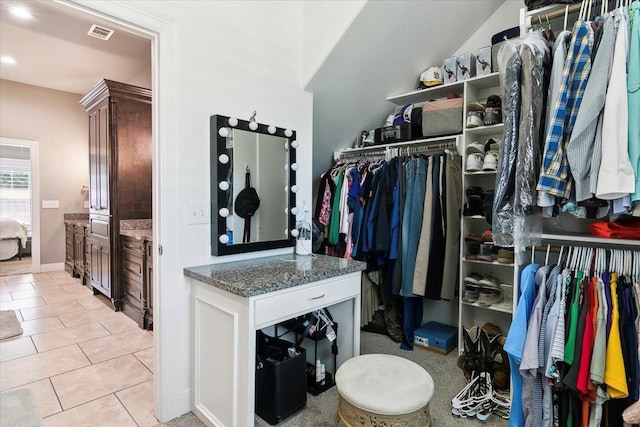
(516, 219)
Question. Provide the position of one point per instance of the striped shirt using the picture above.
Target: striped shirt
(555, 177)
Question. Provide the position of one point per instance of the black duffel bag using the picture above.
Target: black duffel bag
(537, 4)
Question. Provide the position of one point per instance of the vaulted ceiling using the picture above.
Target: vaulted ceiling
(381, 53)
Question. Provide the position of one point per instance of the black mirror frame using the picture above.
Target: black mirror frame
(219, 173)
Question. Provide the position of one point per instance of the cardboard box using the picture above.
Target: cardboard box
(466, 66)
(436, 337)
(483, 61)
(450, 68)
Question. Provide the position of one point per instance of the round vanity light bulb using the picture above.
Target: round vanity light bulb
(294, 211)
(286, 188)
(223, 185)
(224, 212)
(288, 133)
(294, 144)
(294, 188)
(286, 232)
(233, 122)
(224, 239)
(223, 158)
(286, 166)
(271, 129)
(286, 211)
(294, 166)
(253, 125)
(295, 233)
(223, 132)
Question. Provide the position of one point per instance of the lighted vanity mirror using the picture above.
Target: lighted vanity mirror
(253, 186)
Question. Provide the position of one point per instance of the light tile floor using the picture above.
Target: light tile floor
(85, 364)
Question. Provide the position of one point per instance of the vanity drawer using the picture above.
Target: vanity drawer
(302, 300)
(132, 267)
(132, 292)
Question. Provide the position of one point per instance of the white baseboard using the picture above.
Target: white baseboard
(56, 266)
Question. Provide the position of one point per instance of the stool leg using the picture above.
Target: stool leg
(337, 422)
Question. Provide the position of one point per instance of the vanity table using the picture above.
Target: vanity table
(231, 301)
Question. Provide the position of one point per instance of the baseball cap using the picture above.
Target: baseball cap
(402, 114)
(431, 77)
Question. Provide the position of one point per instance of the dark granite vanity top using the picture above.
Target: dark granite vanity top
(262, 275)
(141, 229)
(81, 219)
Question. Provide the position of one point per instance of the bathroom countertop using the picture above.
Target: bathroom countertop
(141, 229)
(263, 275)
(143, 234)
(80, 222)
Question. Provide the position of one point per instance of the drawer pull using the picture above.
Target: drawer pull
(132, 267)
(136, 294)
(129, 245)
(314, 298)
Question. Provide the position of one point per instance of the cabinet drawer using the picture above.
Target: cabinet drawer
(100, 227)
(132, 292)
(298, 301)
(132, 266)
(132, 246)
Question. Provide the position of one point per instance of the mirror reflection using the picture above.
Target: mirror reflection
(253, 175)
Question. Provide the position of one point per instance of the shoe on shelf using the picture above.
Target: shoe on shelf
(487, 237)
(473, 206)
(474, 162)
(475, 114)
(489, 282)
(473, 278)
(473, 249)
(493, 111)
(505, 256)
(475, 147)
(489, 297)
(487, 206)
(473, 237)
(471, 293)
(492, 144)
(490, 161)
(474, 191)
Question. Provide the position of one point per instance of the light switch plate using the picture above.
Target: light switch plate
(198, 213)
(50, 204)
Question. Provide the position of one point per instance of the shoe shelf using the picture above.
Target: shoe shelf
(499, 307)
(479, 261)
(472, 313)
(480, 173)
(485, 131)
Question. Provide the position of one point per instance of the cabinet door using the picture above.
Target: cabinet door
(93, 160)
(104, 156)
(68, 260)
(100, 266)
(78, 250)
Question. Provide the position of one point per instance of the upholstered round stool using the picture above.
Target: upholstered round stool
(383, 390)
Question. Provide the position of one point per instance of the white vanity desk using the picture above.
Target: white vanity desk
(233, 300)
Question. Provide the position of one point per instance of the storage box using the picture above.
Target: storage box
(442, 117)
(450, 69)
(483, 61)
(466, 66)
(281, 378)
(394, 133)
(436, 337)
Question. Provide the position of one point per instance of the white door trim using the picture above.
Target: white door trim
(172, 364)
(35, 197)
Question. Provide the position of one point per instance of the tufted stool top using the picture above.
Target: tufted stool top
(384, 384)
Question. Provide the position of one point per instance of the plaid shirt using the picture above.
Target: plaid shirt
(555, 176)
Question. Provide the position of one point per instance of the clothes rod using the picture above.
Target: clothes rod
(389, 152)
(540, 18)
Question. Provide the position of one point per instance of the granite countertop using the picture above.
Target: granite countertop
(141, 229)
(80, 222)
(263, 275)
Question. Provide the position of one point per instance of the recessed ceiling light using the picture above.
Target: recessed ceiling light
(7, 59)
(21, 12)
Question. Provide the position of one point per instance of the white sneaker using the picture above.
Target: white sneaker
(490, 162)
(475, 147)
(474, 162)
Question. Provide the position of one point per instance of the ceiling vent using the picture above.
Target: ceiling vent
(99, 32)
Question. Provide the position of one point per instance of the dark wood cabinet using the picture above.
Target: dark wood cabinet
(68, 260)
(148, 280)
(80, 241)
(120, 150)
(136, 280)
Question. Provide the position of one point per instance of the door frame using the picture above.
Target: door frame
(172, 399)
(35, 196)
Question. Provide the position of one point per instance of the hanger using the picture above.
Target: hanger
(546, 258)
(533, 253)
(560, 255)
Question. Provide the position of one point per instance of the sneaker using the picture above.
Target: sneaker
(475, 114)
(474, 162)
(489, 282)
(493, 111)
(475, 147)
(473, 278)
(490, 161)
(505, 256)
(489, 297)
(473, 190)
(487, 237)
(491, 144)
(471, 293)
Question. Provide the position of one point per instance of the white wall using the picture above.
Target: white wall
(324, 23)
(59, 123)
(223, 57)
(507, 16)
